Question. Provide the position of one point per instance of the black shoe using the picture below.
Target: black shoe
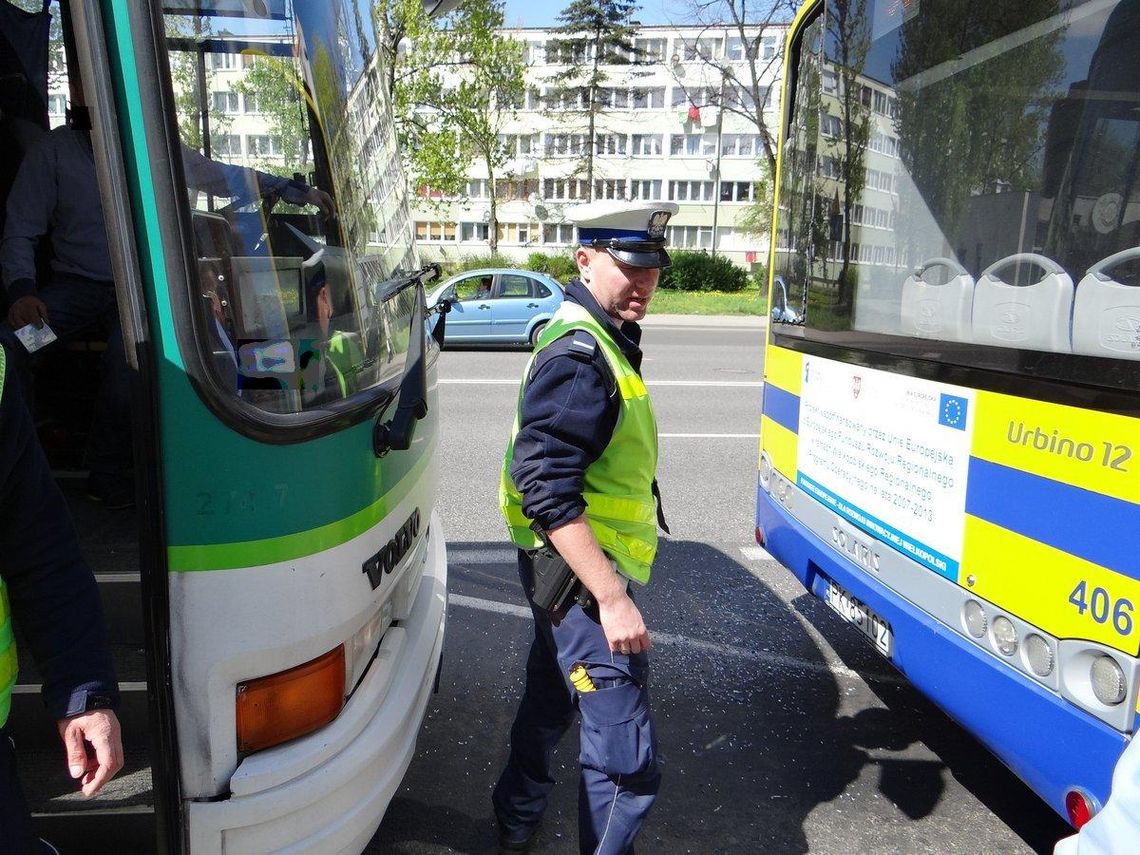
(115, 490)
(517, 840)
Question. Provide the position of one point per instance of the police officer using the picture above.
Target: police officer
(579, 476)
(49, 590)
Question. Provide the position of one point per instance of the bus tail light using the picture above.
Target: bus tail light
(1080, 806)
(283, 706)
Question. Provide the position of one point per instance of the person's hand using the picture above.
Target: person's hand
(27, 310)
(322, 200)
(100, 730)
(621, 622)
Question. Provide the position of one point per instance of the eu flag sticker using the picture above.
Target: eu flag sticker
(952, 411)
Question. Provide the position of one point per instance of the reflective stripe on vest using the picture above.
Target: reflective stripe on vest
(7, 643)
(618, 486)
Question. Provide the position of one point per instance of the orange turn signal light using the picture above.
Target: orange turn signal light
(283, 706)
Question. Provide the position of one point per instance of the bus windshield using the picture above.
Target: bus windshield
(298, 204)
(960, 182)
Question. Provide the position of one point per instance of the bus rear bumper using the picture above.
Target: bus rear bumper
(1045, 740)
(337, 806)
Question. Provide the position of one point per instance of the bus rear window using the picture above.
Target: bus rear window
(963, 180)
(298, 206)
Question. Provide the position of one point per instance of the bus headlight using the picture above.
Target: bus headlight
(1038, 655)
(974, 618)
(1107, 679)
(1004, 636)
(360, 649)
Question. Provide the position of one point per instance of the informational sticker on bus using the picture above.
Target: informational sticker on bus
(890, 454)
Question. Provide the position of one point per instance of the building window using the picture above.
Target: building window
(251, 103)
(701, 96)
(646, 145)
(691, 191)
(565, 144)
(690, 237)
(473, 231)
(228, 144)
(651, 98)
(645, 189)
(533, 99)
(224, 102)
(693, 145)
(703, 48)
(649, 50)
(477, 189)
(736, 191)
(609, 188)
(262, 145)
(558, 233)
(222, 61)
(564, 189)
(611, 143)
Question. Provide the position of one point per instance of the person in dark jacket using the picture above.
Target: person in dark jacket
(48, 590)
(580, 476)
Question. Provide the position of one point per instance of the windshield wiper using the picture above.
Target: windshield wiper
(397, 433)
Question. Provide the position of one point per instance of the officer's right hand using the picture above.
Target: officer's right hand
(621, 622)
(28, 310)
(92, 767)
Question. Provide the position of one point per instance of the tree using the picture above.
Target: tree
(458, 84)
(760, 28)
(593, 34)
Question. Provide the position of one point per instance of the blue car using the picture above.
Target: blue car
(497, 305)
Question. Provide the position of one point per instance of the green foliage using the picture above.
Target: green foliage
(699, 271)
(456, 88)
(708, 303)
(275, 84)
(476, 262)
(591, 35)
(559, 266)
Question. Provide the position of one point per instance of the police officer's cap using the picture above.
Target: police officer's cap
(632, 232)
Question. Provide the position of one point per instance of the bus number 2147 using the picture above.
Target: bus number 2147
(1102, 607)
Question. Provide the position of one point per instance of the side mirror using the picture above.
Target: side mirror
(443, 306)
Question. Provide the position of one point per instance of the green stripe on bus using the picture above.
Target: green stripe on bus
(253, 553)
(116, 21)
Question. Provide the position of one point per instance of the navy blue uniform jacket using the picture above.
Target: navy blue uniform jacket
(52, 593)
(568, 415)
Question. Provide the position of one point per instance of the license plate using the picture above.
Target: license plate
(856, 612)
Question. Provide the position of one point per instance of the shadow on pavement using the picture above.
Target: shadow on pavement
(757, 729)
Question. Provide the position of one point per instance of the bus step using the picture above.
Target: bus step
(111, 831)
(121, 593)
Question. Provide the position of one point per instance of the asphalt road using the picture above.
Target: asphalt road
(782, 730)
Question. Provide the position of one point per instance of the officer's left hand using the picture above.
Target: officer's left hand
(100, 729)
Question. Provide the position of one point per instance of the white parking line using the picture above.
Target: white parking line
(764, 657)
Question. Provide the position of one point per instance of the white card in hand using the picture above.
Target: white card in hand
(34, 338)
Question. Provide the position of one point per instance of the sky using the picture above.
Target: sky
(544, 13)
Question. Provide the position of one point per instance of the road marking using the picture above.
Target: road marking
(755, 553)
(764, 657)
(514, 381)
(708, 436)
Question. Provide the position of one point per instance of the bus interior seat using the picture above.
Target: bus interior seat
(1106, 312)
(936, 301)
(1030, 316)
(877, 302)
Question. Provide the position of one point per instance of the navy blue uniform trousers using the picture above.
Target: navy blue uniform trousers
(620, 769)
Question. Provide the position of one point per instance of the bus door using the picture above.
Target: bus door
(290, 586)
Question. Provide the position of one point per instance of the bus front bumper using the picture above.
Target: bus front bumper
(1045, 740)
(337, 806)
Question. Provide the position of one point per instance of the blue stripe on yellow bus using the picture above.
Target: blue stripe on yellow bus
(782, 446)
(1071, 519)
(1086, 448)
(782, 407)
(1050, 588)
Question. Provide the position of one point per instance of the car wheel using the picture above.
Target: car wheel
(536, 332)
